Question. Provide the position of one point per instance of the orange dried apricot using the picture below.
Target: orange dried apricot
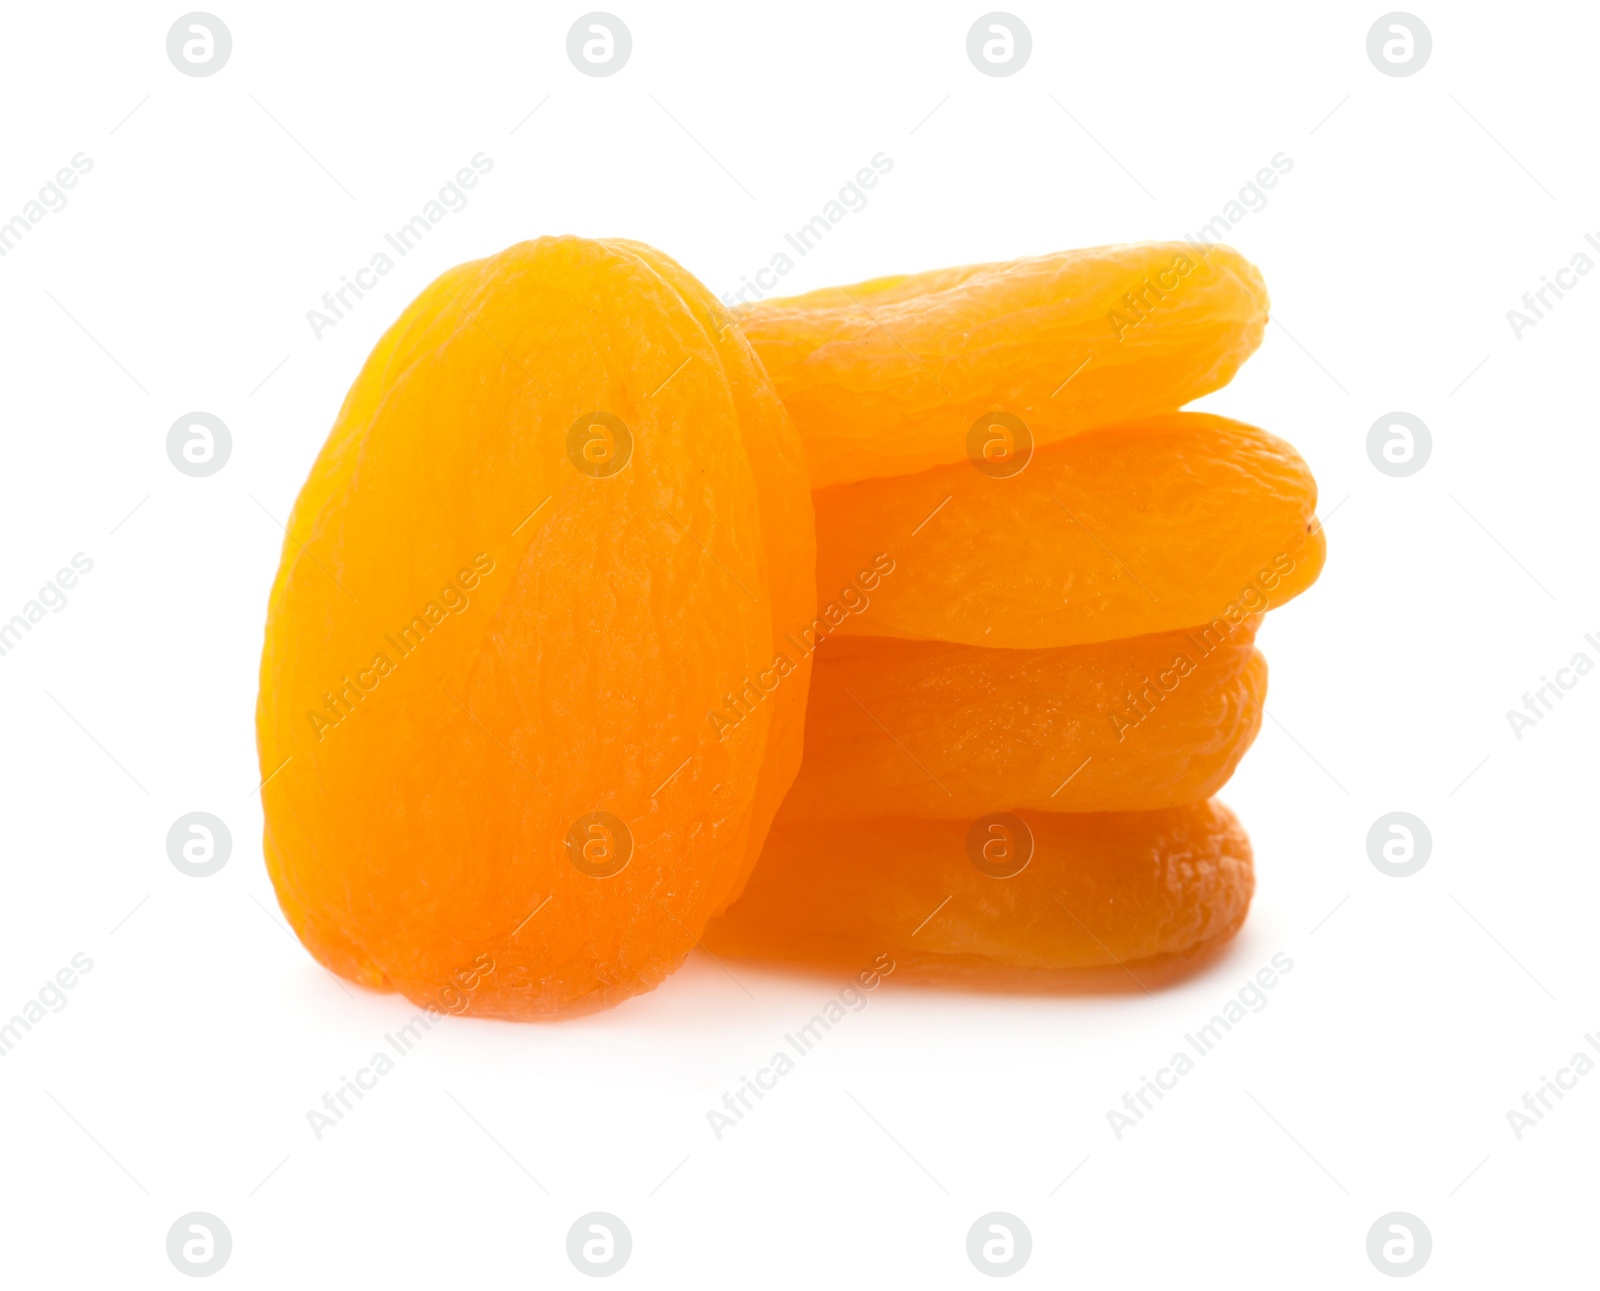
(1101, 900)
(560, 512)
(1149, 526)
(924, 728)
(891, 376)
(787, 529)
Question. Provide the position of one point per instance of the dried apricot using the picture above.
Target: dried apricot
(1030, 900)
(1149, 526)
(787, 530)
(560, 512)
(893, 376)
(924, 728)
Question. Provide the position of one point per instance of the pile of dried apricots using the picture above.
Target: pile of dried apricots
(905, 617)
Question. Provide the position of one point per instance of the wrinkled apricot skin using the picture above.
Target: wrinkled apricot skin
(1107, 901)
(887, 377)
(484, 631)
(787, 529)
(533, 717)
(1043, 586)
(924, 728)
(1150, 526)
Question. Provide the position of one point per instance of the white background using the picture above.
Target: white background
(1419, 1010)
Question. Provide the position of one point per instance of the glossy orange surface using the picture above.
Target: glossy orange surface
(559, 514)
(923, 728)
(1151, 526)
(891, 376)
(1104, 901)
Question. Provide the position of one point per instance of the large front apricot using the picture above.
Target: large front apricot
(551, 526)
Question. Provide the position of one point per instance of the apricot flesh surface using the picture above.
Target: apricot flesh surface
(498, 624)
(1150, 526)
(925, 728)
(1105, 900)
(787, 528)
(889, 377)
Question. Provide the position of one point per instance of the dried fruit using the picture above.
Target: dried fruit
(891, 376)
(1150, 526)
(1101, 900)
(537, 657)
(559, 514)
(787, 530)
(924, 728)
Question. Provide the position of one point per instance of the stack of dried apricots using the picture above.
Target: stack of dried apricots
(907, 617)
